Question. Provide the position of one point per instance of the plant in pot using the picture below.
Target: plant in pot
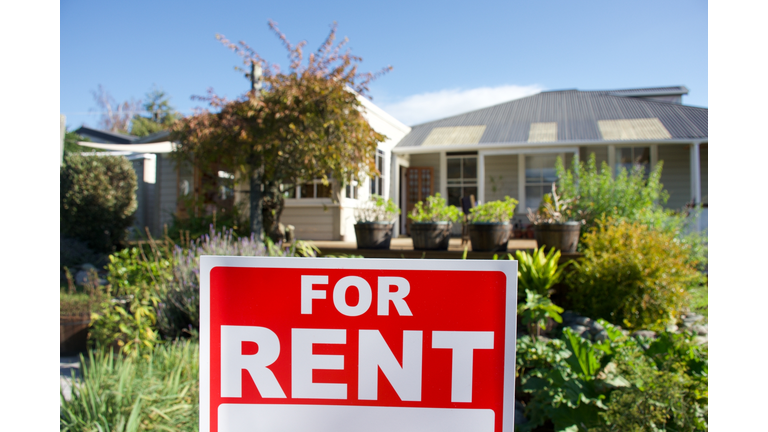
(375, 222)
(553, 226)
(490, 226)
(432, 222)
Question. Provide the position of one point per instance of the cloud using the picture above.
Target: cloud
(425, 107)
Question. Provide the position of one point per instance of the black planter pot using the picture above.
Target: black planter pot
(489, 236)
(431, 235)
(374, 235)
(563, 236)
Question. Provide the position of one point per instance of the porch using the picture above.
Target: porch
(403, 248)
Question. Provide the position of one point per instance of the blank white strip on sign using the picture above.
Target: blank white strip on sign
(344, 418)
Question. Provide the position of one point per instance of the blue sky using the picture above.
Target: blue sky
(447, 57)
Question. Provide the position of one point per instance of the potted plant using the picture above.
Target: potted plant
(552, 224)
(75, 313)
(489, 225)
(432, 222)
(375, 222)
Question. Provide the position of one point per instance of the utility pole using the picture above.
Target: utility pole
(255, 76)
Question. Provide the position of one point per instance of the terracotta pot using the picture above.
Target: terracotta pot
(489, 236)
(563, 236)
(374, 235)
(431, 235)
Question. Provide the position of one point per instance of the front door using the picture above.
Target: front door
(419, 184)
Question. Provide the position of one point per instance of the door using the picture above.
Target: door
(419, 184)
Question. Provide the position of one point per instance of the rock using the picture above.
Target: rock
(692, 319)
(601, 336)
(579, 329)
(700, 340)
(569, 317)
(596, 328)
(644, 333)
(672, 328)
(584, 321)
(700, 329)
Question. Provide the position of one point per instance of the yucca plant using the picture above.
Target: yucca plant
(127, 393)
(538, 272)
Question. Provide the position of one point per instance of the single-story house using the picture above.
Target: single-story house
(507, 149)
(511, 148)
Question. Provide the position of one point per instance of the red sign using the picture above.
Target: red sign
(323, 344)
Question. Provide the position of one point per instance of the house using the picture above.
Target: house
(511, 148)
(507, 149)
(317, 212)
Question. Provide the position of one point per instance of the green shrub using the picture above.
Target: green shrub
(627, 195)
(494, 211)
(126, 318)
(538, 272)
(631, 275)
(116, 393)
(434, 210)
(377, 209)
(97, 200)
(614, 385)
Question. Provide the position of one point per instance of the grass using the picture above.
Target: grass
(159, 391)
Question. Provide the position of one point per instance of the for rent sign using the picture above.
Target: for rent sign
(296, 344)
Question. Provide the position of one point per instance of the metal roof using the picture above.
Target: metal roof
(101, 136)
(576, 114)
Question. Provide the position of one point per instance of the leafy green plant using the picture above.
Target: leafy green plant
(377, 209)
(494, 211)
(536, 310)
(97, 199)
(631, 275)
(554, 209)
(595, 193)
(434, 209)
(127, 315)
(119, 393)
(538, 272)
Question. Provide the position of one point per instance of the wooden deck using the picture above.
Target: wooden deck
(403, 248)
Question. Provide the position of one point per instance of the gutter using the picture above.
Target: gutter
(534, 145)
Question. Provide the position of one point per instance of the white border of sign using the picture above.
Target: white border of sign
(508, 267)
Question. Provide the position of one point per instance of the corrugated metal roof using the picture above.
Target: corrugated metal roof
(576, 113)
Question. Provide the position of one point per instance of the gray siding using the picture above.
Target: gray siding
(601, 154)
(428, 160)
(676, 175)
(166, 191)
(501, 177)
(313, 223)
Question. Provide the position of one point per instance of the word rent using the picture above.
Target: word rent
(374, 353)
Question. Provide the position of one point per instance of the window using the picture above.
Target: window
(350, 190)
(631, 157)
(539, 175)
(462, 178)
(314, 189)
(377, 183)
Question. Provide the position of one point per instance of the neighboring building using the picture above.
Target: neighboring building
(507, 149)
(511, 148)
(317, 212)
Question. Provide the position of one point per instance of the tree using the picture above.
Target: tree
(161, 114)
(295, 126)
(115, 117)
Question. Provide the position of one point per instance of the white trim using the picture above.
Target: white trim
(529, 151)
(160, 147)
(538, 145)
(695, 173)
(521, 183)
(509, 268)
(443, 175)
(480, 178)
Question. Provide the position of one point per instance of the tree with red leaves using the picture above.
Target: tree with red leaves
(299, 125)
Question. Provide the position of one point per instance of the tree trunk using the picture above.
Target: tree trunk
(272, 210)
(256, 203)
